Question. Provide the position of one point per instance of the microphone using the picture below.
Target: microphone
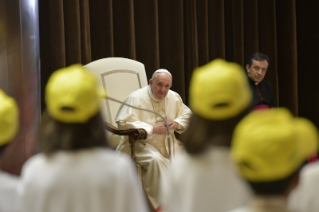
(168, 133)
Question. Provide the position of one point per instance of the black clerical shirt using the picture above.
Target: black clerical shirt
(263, 93)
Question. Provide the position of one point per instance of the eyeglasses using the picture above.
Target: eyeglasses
(257, 68)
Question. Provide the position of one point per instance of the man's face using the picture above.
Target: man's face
(160, 85)
(257, 70)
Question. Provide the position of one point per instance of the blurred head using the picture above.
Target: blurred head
(160, 83)
(56, 135)
(271, 145)
(219, 90)
(72, 95)
(257, 66)
(73, 120)
(9, 119)
(219, 97)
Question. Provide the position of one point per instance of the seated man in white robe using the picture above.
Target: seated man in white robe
(153, 153)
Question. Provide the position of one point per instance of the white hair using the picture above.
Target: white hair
(161, 71)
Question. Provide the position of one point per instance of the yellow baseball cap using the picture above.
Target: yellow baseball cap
(72, 95)
(9, 118)
(219, 90)
(270, 145)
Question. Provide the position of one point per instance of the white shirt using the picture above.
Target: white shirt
(93, 180)
(8, 192)
(305, 197)
(265, 204)
(207, 182)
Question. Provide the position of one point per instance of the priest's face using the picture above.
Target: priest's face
(257, 70)
(160, 85)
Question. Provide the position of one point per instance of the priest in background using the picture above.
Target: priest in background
(263, 93)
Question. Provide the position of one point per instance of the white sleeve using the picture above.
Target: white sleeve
(131, 116)
(183, 117)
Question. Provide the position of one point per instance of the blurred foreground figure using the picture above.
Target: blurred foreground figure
(306, 196)
(9, 123)
(269, 148)
(76, 171)
(203, 178)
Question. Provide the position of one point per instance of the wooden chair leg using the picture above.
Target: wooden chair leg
(138, 166)
(139, 175)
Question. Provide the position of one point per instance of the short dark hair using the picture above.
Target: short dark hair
(3, 148)
(259, 57)
(200, 132)
(276, 187)
(56, 135)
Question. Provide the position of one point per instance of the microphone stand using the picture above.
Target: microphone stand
(168, 133)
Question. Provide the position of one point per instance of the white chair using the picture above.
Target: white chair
(119, 76)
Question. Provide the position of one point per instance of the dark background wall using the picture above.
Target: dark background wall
(181, 35)
(178, 35)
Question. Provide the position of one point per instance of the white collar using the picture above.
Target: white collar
(150, 92)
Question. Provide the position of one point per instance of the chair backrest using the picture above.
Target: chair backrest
(119, 76)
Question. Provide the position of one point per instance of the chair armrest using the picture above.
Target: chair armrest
(138, 134)
(134, 134)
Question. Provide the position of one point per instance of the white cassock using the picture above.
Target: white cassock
(153, 153)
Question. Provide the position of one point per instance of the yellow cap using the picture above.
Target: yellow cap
(219, 90)
(270, 145)
(72, 95)
(9, 118)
